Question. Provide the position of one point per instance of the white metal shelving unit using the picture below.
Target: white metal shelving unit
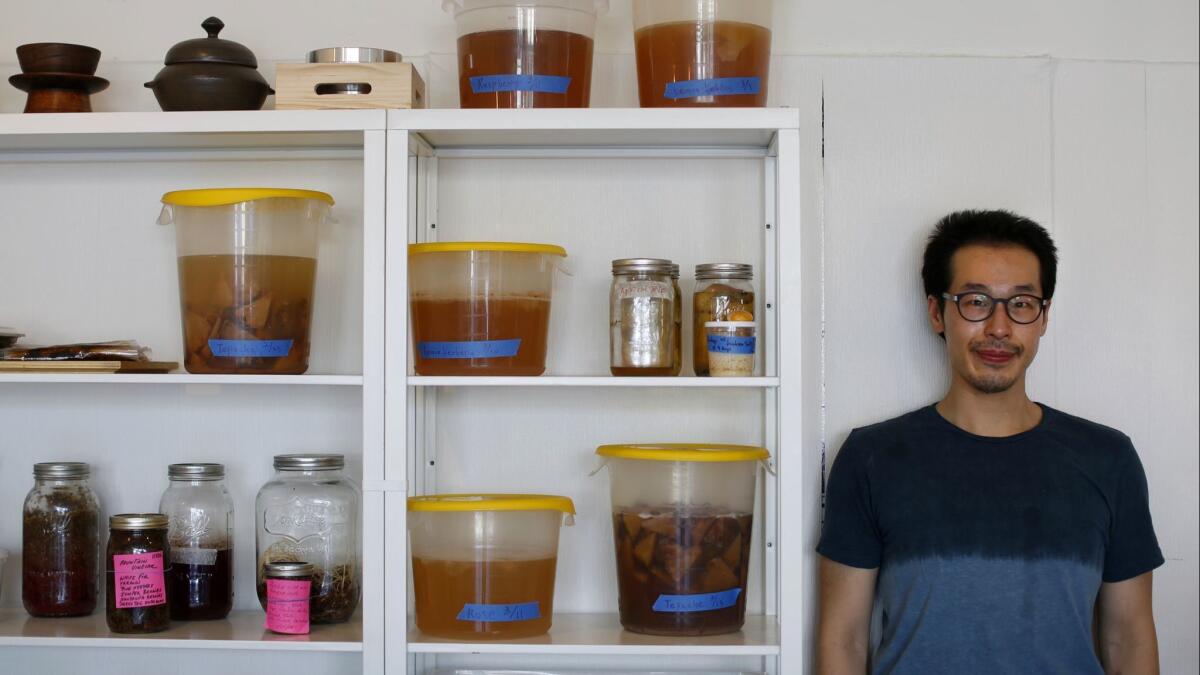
(422, 148)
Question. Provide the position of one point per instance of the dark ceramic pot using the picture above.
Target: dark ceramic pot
(210, 74)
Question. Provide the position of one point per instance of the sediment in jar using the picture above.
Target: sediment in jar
(60, 554)
(664, 553)
(335, 590)
(444, 589)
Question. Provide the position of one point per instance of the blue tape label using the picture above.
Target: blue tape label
(731, 344)
(543, 84)
(701, 602)
(478, 349)
(521, 611)
(250, 348)
(721, 86)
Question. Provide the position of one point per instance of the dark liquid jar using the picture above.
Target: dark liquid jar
(60, 542)
(137, 565)
(200, 511)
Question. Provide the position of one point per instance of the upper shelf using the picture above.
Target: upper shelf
(284, 129)
(597, 127)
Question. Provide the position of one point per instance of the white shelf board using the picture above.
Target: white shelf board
(602, 634)
(242, 630)
(597, 127)
(179, 378)
(150, 131)
(594, 381)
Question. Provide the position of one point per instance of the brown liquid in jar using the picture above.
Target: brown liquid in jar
(148, 618)
(60, 556)
(689, 50)
(483, 319)
(201, 592)
(664, 552)
(246, 298)
(443, 587)
(538, 52)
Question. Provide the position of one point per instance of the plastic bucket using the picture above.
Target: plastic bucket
(682, 523)
(484, 564)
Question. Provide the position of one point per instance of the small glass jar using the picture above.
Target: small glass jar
(289, 590)
(731, 348)
(200, 512)
(137, 565)
(60, 542)
(309, 511)
(642, 317)
(724, 292)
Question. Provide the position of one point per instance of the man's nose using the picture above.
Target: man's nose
(999, 325)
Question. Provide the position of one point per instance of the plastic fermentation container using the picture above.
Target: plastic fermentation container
(481, 308)
(525, 53)
(484, 564)
(702, 54)
(247, 270)
(682, 521)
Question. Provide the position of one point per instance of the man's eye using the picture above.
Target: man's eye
(1022, 303)
(978, 300)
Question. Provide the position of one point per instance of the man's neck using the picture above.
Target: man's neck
(1002, 414)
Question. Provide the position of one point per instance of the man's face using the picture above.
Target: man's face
(991, 355)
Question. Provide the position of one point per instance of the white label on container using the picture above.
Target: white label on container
(661, 290)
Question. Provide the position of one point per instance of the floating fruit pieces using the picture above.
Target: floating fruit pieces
(717, 302)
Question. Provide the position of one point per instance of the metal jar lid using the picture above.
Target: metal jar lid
(49, 470)
(196, 471)
(309, 462)
(287, 570)
(724, 271)
(354, 55)
(137, 521)
(642, 266)
(674, 271)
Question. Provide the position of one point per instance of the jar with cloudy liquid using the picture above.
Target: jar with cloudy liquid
(643, 317)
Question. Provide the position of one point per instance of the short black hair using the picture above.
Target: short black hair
(988, 228)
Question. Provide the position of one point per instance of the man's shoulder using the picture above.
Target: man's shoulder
(1088, 439)
(865, 441)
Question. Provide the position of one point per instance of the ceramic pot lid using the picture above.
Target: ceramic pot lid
(211, 49)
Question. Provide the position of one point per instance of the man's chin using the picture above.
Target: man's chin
(992, 384)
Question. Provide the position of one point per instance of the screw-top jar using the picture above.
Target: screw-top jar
(60, 542)
(724, 292)
(137, 565)
(200, 511)
(642, 317)
(289, 587)
(309, 511)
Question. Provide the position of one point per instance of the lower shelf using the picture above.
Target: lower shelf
(241, 630)
(602, 634)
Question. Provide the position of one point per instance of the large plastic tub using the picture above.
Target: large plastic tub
(702, 54)
(525, 53)
(682, 521)
(484, 564)
(247, 270)
(481, 308)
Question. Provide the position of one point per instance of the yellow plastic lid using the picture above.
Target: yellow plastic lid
(685, 452)
(502, 246)
(226, 196)
(491, 502)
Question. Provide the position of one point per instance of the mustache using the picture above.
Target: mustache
(997, 345)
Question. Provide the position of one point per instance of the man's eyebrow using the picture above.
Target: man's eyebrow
(973, 286)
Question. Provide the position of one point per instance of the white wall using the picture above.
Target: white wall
(1098, 141)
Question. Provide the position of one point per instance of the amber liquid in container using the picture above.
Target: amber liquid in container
(625, 371)
(201, 592)
(444, 588)
(517, 52)
(687, 50)
(260, 302)
(665, 553)
(483, 319)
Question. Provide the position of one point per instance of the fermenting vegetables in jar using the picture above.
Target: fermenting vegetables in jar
(137, 564)
(724, 292)
(60, 542)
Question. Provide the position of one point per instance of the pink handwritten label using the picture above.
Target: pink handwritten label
(287, 605)
(138, 580)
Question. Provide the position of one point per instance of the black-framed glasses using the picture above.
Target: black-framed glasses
(976, 306)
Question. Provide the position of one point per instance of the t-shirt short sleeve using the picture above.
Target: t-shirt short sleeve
(1132, 546)
(850, 534)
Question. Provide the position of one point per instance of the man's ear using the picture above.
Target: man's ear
(937, 319)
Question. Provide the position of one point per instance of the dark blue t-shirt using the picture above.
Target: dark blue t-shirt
(990, 550)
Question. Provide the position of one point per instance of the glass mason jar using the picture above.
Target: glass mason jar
(677, 343)
(642, 317)
(200, 532)
(60, 542)
(724, 292)
(137, 566)
(309, 512)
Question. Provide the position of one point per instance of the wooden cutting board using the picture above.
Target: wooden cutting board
(88, 366)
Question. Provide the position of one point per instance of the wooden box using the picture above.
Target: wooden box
(301, 86)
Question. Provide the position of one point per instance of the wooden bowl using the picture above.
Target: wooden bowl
(58, 57)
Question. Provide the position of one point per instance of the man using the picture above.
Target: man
(993, 534)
